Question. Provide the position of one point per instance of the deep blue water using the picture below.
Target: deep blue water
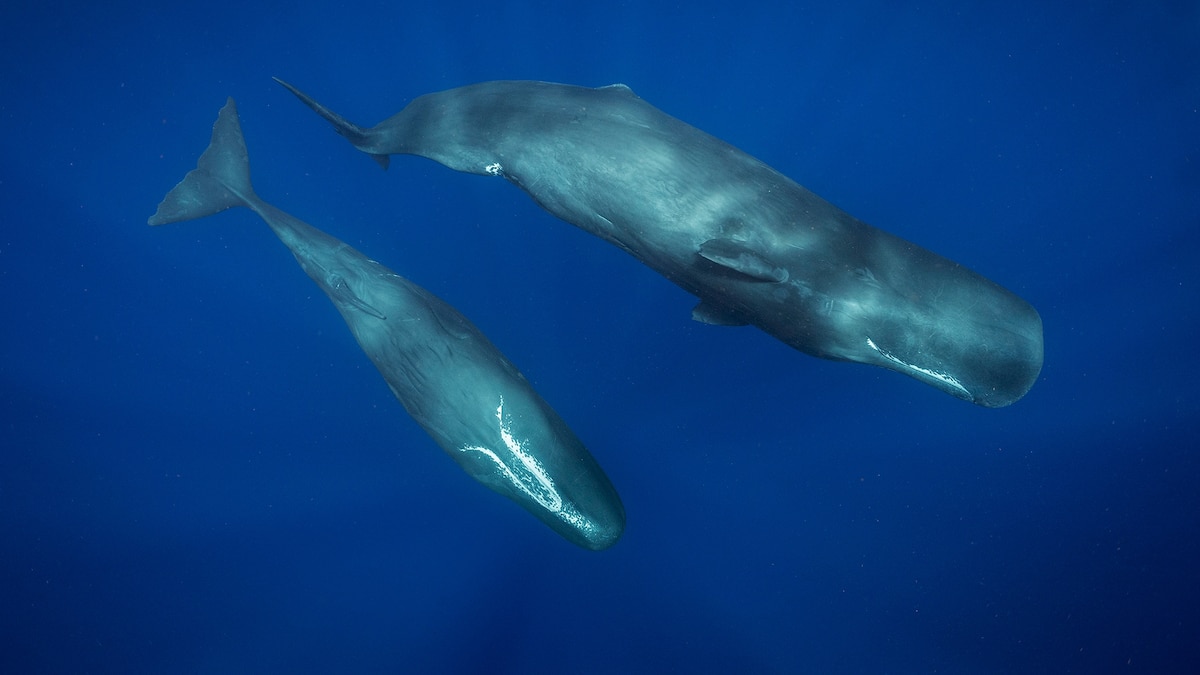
(200, 472)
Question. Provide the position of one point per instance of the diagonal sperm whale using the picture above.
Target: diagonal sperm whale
(458, 386)
(754, 246)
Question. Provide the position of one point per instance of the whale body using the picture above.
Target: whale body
(474, 403)
(754, 246)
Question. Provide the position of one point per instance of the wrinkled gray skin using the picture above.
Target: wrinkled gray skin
(449, 377)
(750, 243)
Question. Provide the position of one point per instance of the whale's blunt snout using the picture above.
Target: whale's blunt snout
(1010, 371)
(538, 462)
(591, 513)
(991, 360)
(603, 529)
(1004, 368)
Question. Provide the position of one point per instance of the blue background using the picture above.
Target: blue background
(201, 472)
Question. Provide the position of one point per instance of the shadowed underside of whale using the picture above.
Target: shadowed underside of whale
(751, 244)
(445, 372)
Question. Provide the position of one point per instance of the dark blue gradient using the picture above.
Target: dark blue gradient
(200, 472)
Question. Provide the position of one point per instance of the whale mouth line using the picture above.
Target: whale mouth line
(950, 381)
(527, 474)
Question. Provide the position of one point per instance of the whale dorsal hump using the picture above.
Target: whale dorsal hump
(619, 88)
(737, 256)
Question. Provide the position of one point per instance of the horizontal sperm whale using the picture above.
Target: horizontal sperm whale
(449, 377)
(751, 244)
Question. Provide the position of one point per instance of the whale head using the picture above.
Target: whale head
(942, 324)
(530, 456)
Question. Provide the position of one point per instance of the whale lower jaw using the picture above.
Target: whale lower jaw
(944, 381)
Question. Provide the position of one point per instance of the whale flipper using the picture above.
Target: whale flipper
(342, 292)
(706, 313)
(737, 256)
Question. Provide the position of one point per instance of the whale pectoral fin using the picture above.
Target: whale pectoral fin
(715, 316)
(341, 292)
(740, 258)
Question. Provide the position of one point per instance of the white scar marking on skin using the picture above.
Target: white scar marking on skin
(941, 377)
(527, 474)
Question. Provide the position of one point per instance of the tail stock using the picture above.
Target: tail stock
(357, 135)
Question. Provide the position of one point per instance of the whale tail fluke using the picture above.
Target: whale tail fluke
(357, 135)
(221, 179)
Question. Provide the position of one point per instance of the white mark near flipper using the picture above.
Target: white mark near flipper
(940, 377)
(494, 169)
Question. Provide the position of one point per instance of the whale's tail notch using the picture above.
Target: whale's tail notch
(221, 179)
(357, 135)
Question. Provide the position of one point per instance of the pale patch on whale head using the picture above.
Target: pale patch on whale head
(526, 474)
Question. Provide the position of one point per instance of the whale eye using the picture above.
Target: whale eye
(494, 169)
